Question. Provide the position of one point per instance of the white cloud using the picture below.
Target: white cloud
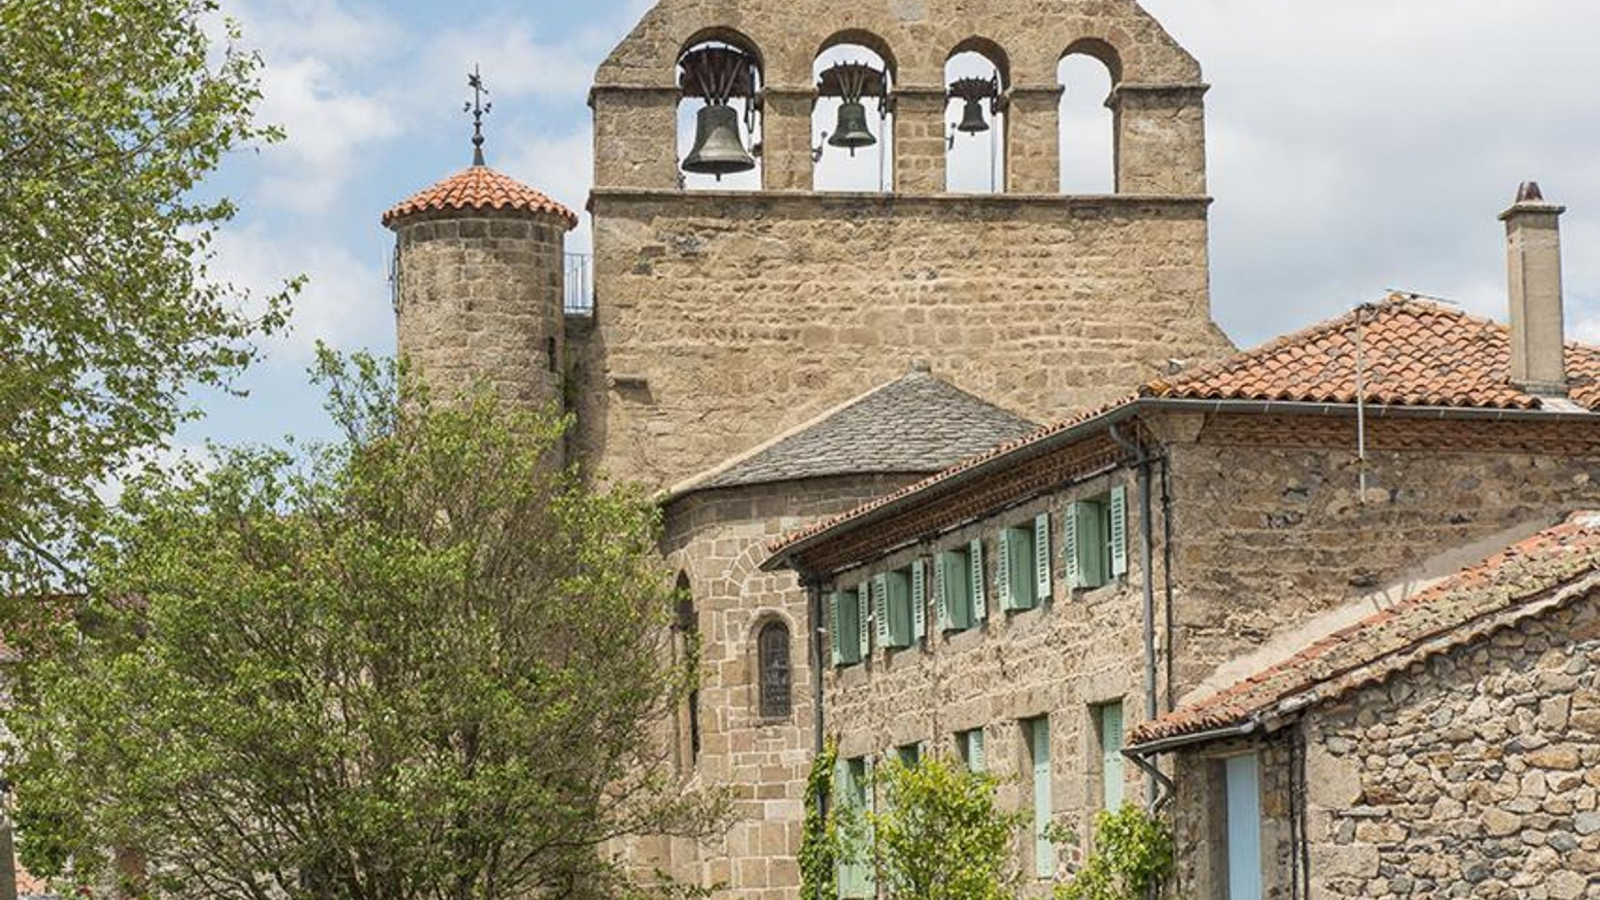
(1368, 144)
(345, 301)
(314, 52)
(561, 166)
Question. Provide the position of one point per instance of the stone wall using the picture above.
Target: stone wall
(717, 539)
(1078, 650)
(1476, 773)
(1267, 537)
(481, 298)
(723, 320)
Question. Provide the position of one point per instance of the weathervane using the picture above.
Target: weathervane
(479, 109)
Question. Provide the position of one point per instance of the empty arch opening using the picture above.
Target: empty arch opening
(853, 149)
(1088, 73)
(719, 116)
(976, 78)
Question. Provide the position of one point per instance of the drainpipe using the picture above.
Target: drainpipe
(1142, 461)
(814, 607)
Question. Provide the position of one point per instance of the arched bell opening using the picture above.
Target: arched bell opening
(1088, 73)
(852, 123)
(977, 77)
(719, 115)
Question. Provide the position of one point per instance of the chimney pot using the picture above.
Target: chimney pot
(1533, 254)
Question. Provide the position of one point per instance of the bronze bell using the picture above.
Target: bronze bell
(718, 149)
(973, 120)
(852, 131)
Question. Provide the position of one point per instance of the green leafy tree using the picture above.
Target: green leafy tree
(939, 835)
(421, 664)
(818, 862)
(1132, 854)
(111, 113)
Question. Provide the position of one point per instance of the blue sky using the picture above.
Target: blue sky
(1354, 146)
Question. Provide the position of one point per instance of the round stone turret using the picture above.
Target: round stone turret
(480, 271)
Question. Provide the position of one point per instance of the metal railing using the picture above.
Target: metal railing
(579, 300)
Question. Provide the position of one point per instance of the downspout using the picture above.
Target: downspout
(814, 611)
(1142, 461)
(1166, 577)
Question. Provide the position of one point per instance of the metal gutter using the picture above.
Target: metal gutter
(1142, 460)
(1165, 745)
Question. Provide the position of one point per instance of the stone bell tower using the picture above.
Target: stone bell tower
(479, 262)
(724, 316)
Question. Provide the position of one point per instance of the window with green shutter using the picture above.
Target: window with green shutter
(864, 620)
(1019, 585)
(893, 589)
(844, 608)
(952, 590)
(1095, 540)
(1113, 778)
(1037, 734)
(909, 755)
(919, 600)
(853, 788)
(969, 745)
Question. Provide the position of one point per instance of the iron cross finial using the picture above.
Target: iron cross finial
(479, 109)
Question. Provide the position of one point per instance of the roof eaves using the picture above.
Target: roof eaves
(784, 553)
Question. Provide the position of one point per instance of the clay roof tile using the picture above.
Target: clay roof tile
(479, 188)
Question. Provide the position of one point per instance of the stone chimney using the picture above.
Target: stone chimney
(1533, 242)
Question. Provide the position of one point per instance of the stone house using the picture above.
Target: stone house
(1091, 581)
(1448, 745)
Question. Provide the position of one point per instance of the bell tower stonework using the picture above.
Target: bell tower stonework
(724, 317)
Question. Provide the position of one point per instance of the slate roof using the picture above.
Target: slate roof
(479, 188)
(1414, 354)
(916, 424)
(1550, 569)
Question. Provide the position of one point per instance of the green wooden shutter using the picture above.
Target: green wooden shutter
(864, 620)
(1111, 755)
(980, 598)
(844, 873)
(919, 600)
(870, 874)
(1002, 570)
(1023, 583)
(1091, 545)
(1044, 852)
(1071, 555)
(880, 608)
(833, 628)
(1045, 584)
(941, 591)
(1119, 531)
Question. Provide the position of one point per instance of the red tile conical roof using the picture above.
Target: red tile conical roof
(479, 188)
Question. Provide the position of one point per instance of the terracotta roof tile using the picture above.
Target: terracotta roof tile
(1489, 594)
(1414, 353)
(479, 188)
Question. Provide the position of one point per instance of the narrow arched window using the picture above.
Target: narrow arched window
(687, 625)
(776, 676)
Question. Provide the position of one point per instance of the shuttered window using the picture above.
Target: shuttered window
(969, 744)
(978, 578)
(1015, 572)
(1112, 776)
(919, 600)
(846, 634)
(1037, 733)
(952, 590)
(1095, 540)
(853, 788)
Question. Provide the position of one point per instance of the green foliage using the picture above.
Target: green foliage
(111, 114)
(939, 834)
(422, 665)
(818, 880)
(1133, 852)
